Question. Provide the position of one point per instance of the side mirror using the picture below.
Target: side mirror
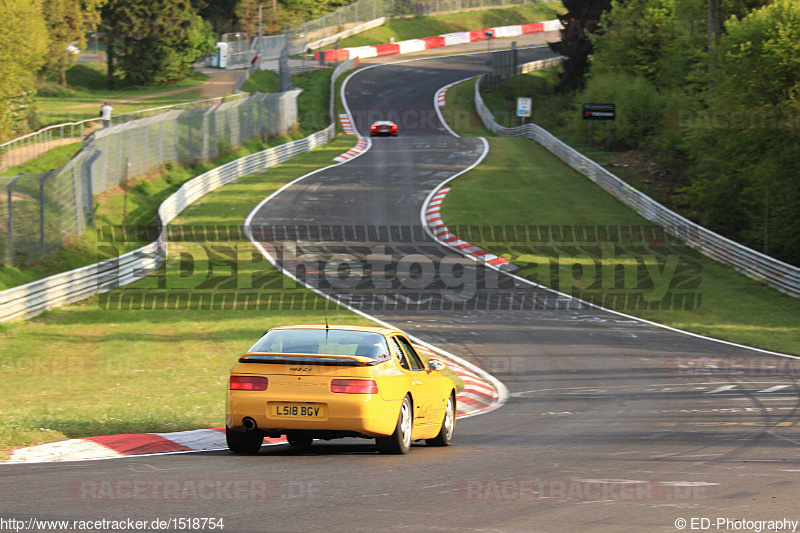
(435, 364)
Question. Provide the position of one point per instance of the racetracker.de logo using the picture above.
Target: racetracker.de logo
(586, 490)
(190, 490)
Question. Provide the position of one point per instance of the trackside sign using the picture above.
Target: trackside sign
(523, 107)
(599, 111)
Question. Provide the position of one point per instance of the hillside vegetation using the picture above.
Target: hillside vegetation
(716, 113)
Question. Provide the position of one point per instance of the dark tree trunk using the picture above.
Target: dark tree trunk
(110, 62)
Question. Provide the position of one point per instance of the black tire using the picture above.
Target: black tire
(399, 442)
(299, 439)
(445, 436)
(244, 442)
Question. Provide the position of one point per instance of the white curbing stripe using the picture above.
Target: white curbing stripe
(360, 147)
(347, 126)
(198, 439)
(66, 450)
(441, 94)
(435, 223)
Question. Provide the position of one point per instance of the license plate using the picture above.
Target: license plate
(297, 410)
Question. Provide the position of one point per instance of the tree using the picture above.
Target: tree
(756, 146)
(581, 20)
(23, 45)
(660, 40)
(758, 60)
(304, 10)
(247, 17)
(67, 24)
(156, 41)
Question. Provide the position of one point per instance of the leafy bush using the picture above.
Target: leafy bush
(643, 112)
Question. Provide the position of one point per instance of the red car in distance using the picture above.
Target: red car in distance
(383, 127)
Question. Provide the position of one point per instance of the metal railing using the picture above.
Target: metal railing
(777, 274)
(40, 211)
(35, 144)
(33, 298)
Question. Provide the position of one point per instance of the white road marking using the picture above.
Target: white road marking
(722, 389)
(773, 389)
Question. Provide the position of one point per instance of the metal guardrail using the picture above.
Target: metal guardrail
(33, 298)
(777, 274)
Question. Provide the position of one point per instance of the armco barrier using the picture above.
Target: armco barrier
(33, 298)
(777, 274)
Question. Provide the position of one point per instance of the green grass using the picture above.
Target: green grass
(262, 81)
(459, 111)
(87, 91)
(521, 184)
(314, 102)
(417, 27)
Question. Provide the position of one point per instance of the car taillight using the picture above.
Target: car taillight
(248, 383)
(354, 386)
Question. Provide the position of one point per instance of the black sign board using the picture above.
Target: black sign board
(599, 111)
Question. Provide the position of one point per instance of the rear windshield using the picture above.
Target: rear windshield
(321, 341)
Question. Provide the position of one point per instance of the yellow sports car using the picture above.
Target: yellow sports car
(328, 382)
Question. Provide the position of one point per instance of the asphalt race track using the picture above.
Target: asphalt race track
(602, 430)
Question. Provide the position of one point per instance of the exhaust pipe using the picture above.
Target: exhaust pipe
(248, 424)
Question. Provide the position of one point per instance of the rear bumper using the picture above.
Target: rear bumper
(369, 415)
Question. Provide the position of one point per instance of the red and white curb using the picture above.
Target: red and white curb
(117, 446)
(433, 219)
(478, 395)
(441, 94)
(347, 126)
(360, 146)
(426, 43)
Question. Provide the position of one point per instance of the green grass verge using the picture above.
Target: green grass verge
(459, 110)
(262, 81)
(86, 92)
(417, 27)
(521, 184)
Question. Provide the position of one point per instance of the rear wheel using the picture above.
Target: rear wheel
(445, 436)
(298, 439)
(400, 441)
(245, 442)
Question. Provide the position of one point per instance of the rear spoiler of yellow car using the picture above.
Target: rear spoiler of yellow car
(313, 359)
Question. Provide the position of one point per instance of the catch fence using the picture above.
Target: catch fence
(40, 211)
